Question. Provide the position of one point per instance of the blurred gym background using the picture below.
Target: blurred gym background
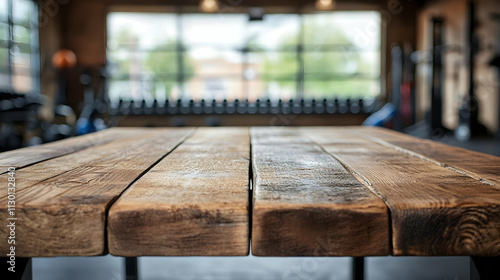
(426, 68)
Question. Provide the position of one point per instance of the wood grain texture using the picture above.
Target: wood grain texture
(305, 203)
(61, 204)
(434, 210)
(479, 166)
(26, 156)
(194, 202)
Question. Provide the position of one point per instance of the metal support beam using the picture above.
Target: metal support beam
(484, 268)
(131, 270)
(16, 269)
(358, 268)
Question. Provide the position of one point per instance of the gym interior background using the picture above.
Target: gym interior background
(427, 68)
(69, 67)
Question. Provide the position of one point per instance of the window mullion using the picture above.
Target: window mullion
(10, 46)
(35, 49)
(180, 50)
(300, 60)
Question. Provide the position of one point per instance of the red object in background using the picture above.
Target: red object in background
(64, 59)
(405, 110)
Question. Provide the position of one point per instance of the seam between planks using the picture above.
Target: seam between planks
(362, 179)
(422, 157)
(251, 188)
(112, 201)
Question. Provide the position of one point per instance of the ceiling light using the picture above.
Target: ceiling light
(256, 14)
(325, 5)
(209, 6)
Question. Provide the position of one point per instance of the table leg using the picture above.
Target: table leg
(131, 271)
(21, 267)
(484, 268)
(358, 268)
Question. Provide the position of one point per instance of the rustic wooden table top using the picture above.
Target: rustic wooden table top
(312, 191)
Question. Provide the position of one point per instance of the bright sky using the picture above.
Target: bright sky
(231, 30)
(20, 9)
(220, 35)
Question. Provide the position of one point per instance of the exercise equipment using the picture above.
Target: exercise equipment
(408, 98)
(89, 120)
(432, 126)
(397, 81)
(18, 119)
(436, 112)
(259, 107)
(495, 62)
(468, 114)
(398, 113)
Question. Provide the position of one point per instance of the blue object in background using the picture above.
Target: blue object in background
(382, 117)
(85, 126)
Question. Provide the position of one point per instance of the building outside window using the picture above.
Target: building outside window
(19, 46)
(210, 56)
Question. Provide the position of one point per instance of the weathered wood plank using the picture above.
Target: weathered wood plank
(194, 202)
(434, 210)
(305, 203)
(480, 166)
(61, 204)
(26, 156)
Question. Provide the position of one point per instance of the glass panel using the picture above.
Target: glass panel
(226, 30)
(342, 55)
(120, 62)
(165, 89)
(213, 87)
(275, 32)
(141, 54)
(161, 63)
(4, 34)
(118, 89)
(21, 12)
(144, 31)
(4, 81)
(271, 63)
(21, 70)
(21, 56)
(365, 63)
(319, 62)
(4, 62)
(358, 29)
(211, 61)
(319, 88)
(370, 63)
(227, 57)
(3, 10)
(142, 87)
(271, 89)
(21, 34)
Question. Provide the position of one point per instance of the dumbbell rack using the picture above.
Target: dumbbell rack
(211, 107)
(16, 108)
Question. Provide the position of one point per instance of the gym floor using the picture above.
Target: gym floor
(242, 268)
(164, 268)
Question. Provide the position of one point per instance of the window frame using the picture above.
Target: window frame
(299, 50)
(34, 46)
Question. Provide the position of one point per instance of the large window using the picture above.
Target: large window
(19, 67)
(210, 56)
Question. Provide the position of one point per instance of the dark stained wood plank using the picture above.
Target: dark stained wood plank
(434, 210)
(194, 202)
(480, 166)
(305, 203)
(61, 204)
(26, 156)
